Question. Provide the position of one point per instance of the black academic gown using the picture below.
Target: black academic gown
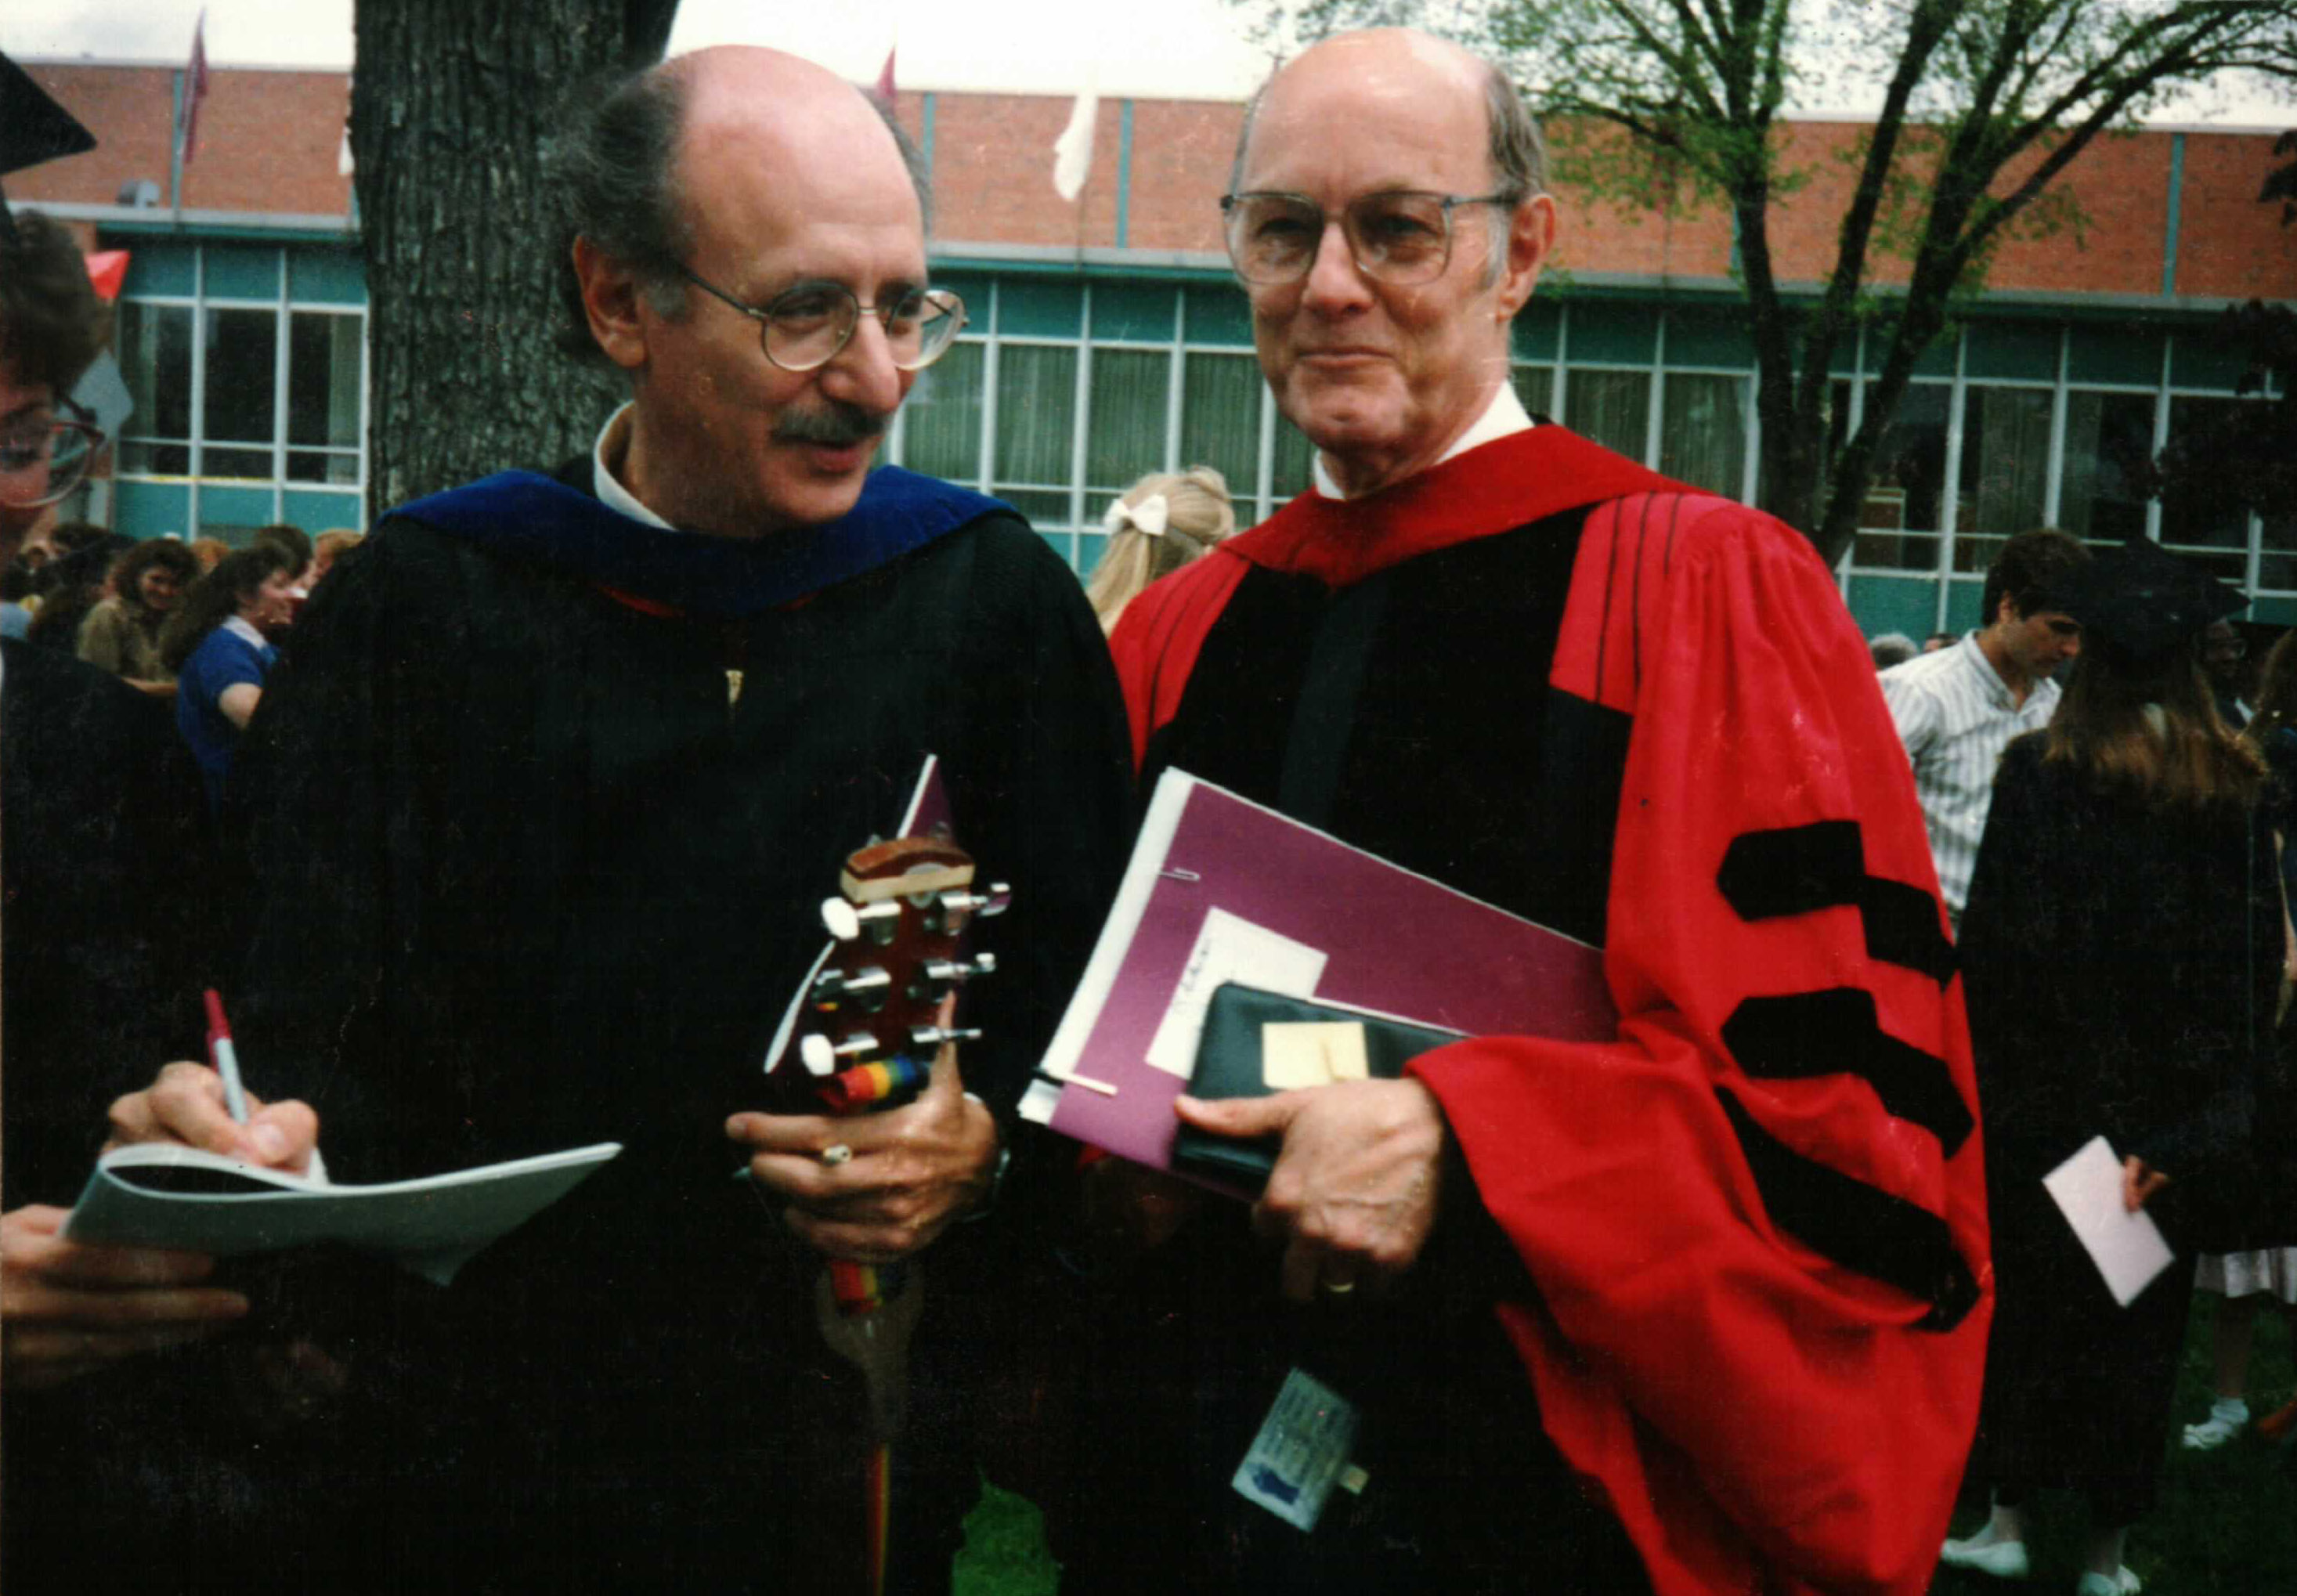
(2121, 964)
(103, 941)
(529, 876)
(100, 850)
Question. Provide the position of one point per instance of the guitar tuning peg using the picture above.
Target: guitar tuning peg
(868, 986)
(932, 1036)
(845, 921)
(953, 971)
(837, 916)
(822, 1058)
(956, 906)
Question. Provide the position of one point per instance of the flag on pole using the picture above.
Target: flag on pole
(1072, 150)
(195, 87)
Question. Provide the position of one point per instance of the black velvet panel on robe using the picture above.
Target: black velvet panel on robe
(1447, 767)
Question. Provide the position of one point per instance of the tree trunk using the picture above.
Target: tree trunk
(450, 103)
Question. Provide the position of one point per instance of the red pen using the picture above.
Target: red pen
(225, 1061)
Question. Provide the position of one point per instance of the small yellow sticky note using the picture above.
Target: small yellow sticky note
(1297, 1055)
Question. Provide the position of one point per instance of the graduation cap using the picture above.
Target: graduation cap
(33, 128)
(2140, 603)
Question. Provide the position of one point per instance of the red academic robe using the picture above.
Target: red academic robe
(1755, 1222)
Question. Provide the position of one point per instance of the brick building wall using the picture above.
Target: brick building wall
(268, 141)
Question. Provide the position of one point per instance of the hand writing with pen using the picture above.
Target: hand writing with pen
(68, 1309)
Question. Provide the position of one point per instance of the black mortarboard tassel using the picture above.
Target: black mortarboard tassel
(33, 128)
(2140, 603)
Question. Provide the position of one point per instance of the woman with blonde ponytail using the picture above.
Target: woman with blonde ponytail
(1155, 527)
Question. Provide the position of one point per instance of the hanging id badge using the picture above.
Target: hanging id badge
(1301, 1452)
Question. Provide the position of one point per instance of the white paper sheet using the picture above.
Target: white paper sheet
(1229, 948)
(2127, 1248)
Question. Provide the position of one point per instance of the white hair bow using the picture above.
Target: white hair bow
(1149, 515)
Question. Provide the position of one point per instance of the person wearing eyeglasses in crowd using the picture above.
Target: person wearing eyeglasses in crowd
(99, 840)
(1698, 1308)
(543, 799)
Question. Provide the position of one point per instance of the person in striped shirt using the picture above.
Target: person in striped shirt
(1958, 708)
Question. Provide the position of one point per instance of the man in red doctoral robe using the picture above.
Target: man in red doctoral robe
(1703, 1307)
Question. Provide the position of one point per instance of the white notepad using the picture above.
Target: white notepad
(433, 1226)
(2127, 1247)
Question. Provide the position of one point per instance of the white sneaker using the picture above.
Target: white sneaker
(2003, 1559)
(2123, 1583)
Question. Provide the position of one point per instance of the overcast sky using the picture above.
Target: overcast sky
(1167, 48)
(1149, 48)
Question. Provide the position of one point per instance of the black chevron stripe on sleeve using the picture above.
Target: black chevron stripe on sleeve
(1805, 1034)
(1798, 869)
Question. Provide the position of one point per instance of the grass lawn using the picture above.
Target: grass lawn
(2226, 1520)
(1005, 1551)
(2226, 1525)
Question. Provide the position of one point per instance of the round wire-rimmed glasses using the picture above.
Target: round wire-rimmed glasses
(1399, 235)
(41, 462)
(805, 326)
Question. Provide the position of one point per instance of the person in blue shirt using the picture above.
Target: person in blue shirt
(217, 646)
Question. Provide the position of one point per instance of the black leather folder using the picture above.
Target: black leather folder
(1229, 1065)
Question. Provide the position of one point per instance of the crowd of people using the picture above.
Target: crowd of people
(2113, 854)
(192, 622)
(514, 843)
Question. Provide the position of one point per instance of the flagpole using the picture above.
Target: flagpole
(191, 88)
(176, 153)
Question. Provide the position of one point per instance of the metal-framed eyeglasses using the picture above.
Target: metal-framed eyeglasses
(1399, 235)
(42, 461)
(805, 326)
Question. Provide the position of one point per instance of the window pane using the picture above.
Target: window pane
(323, 380)
(941, 425)
(1220, 419)
(1292, 473)
(2107, 436)
(2277, 566)
(1046, 511)
(241, 377)
(1534, 385)
(2006, 470)
(1124, 436)
(156, 459)
(1611, 408)
(1036, 414)
(245, 463)
(2196, 512)
(155, 358)
(320, 465)
(1905, 505)
(1703, 438)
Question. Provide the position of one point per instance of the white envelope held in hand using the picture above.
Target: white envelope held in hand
(2127, 1248)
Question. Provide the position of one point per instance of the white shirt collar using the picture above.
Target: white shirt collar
(1504, 415)
(614, 441)
(239, 626)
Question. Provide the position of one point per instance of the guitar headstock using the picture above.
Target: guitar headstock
(872, 1020)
